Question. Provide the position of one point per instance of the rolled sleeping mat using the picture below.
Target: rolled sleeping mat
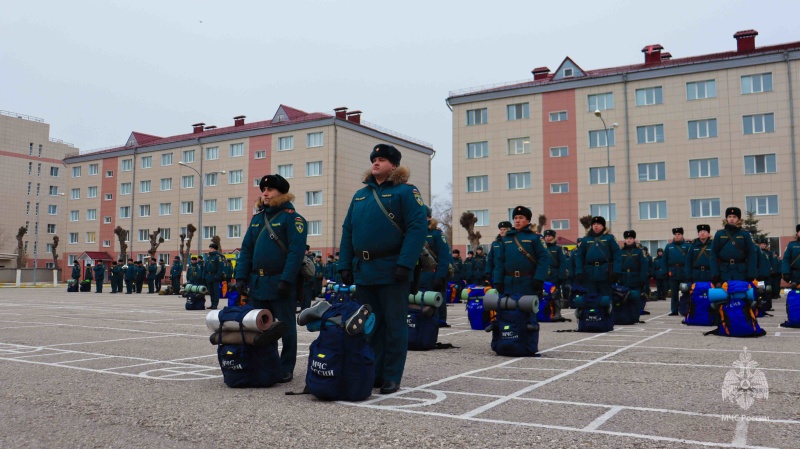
(256, 320)
(527, 303)
(235, 338)
(717, 295)
(193, 288)
(427, 298)
(344, 288)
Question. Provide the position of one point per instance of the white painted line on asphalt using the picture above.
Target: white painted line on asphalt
(535, 369)
(584, 352)
(777, 334)
(84, 360)
(503, 379)
(456, 332)
(740, 434)
(491, 405)
(600, 420)
(112, 341)
(23, 327)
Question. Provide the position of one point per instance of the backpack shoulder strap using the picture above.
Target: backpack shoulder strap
(272, 235)
(386, 212)
(525, 253)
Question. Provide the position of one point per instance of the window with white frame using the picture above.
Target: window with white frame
(210, 206)
(314, 227)
(235, 231)
(600, 138)
(90, 237)
(144, 186)
(91, 214)
(517, 181)
(287, 171)
(314, 198)
(652, 210)
(94, 169)
(48, 248)
(482, 215)
(561, 187)
(652, 171)
(559, 152)
(52, 209)
(73, 238)
(76, 171)
(704, 207)
(166, 184)
(762, 205)
(559, 225)
(477, 117)
(753, 84)
(702, 129)
(125, 188)
(559, 116)
(519, 145)
(698, 90)
(166, 159)
(601, 210)
(209, 232)
(212, 153)
(650, 134)
(187, 207)
(188, 156)
(75, 194)
(314, 168)
(285, 143)
(146, 162)
(54, 172)
(235, 204)
(53, 190)
(126, 165)
(477, 183)
(236, 150)
(144, 210)
(704, 168)
(108, 196)
(601, 102)
(165, 209)
(758, 123)
(314, 140)
(166, 233)
(517, 111)
(125, 212)
(602, 175)
(144, 235)
(649, 96)
(760, 164)
(260, 154)
(109, 173)
(51, 228)
(106, 220)
(91, 192)
(187, 182)
(477, 150)
(211, 179)
(235, 177)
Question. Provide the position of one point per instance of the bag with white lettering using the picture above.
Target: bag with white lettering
(515, 334)
(247, 366)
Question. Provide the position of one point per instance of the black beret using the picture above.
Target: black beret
(277, 182)
(524, 211)
(504, 224)
(214, 246)
(388, 152)
(631, 234)
(550, 232)
(599, 219)
(677, 231)
(703, 227)
(733, 211)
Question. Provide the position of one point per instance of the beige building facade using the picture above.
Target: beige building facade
(688, 138)
(155, 182)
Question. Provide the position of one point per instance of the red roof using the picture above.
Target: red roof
(142, 138)
(97, 255)
(562, 241)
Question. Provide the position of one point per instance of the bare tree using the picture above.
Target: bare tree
(155, 240)
(443, 211)
(122, 236)
(586, 222)
(468, 220)
(55, 253)
(21, 256)
(216, 239)
(186, 243)
(542, 222)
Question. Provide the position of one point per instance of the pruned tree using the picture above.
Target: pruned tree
(122, 236)
(443, 211)
(216, 239)
(542, 221)
(55, 253)
(21, 256)
(186, 244)
(468, 220)
(155, 240)
(586, 222)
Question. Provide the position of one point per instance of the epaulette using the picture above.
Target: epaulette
(289, 211)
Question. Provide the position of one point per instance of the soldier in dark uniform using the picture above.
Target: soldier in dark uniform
(378, 254)
(319, 274)
(630, 264)
(87, 274)
(194, 274)
(76, 271)
(698, 258)
(212, 274)
(162, 271)
(466, 268)
(660, 273)
(116, 277)
(458, 269)
(99, 276)
(141, 273)
(152, 274)
(130, 277)
(595, 257)
(307, 294)
(775, 275)
(491, 261)
(646, 288)
(437, 280)
(175, 275)
(764, 260)
(557, 272)
(268, 269)
(330, 269)
(790, 265)
(522, 260)
(479, 266)
(733, 254)
(675, 259)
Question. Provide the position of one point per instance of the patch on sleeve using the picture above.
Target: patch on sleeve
(444, 239)
(417, 196)
(299, 224)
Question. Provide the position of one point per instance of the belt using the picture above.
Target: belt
(595, 264)
(519, 274)
(731, 261)
(678, 265)
(702, 268)
(369, 255)
(629, 270)
(263, 272)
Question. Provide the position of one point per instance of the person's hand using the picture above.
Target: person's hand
(438, 285)
(241, 287)
(347, 277)
(538, 287)
(716, 279)
(402, 274)
(284, 289)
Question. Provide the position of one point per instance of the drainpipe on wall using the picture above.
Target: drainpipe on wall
(133, 202)
(627, 146)
(335, 177)
(791, 134)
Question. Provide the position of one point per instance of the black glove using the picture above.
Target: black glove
(347, 277)
(402, 274)
(438, 285)
(579, 278)
(241, 287)
(787, 277)
(500, 287)
(284, 288)
(538, 286)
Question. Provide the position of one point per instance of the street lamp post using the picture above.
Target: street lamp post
(200, 203)
(599, 115)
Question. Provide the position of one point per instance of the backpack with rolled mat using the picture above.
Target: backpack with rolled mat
(733, 311)
(593, 313)
(515, 331)
(699, 310)
(625, 305)
(792, 308)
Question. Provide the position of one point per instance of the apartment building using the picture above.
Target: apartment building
(210, 178)
(664, 143)
(33, 180)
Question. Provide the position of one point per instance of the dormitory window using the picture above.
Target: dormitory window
(166, 159)
(559, 152)
(235, 177)
(125, 212)
(165, 209)
(753, 84)
(90, 237)
(144, 235)
(260, 154)
(559, 225)
(758, 123)
(520, 145)
(91, 192)
(704, 168)
(209, 206)
(759, 164)
(52, 209)
(285, 143)
(237, 150)
(54, 172)
(314, 168)
(315, 227)
(477, 150)
(701, 89)
(187, 182)
(187, 207)
(212, 153)
(166, 233)
(106, 220)
(188, 156)
(517, 181)
(209, 232)
(649, 96)
(314, 198)
(75, 194)
(74, 215)
(144, 210)
(147, 162)
(477, 117)
(601, 102)
(234, 204)
(314, 140)
(482, 216)
(562, 187)
(93, 169)
(702, 129)
(703, 208)
(287, 171)
(602, 210)
(211, 179)
(559, 116)
(762, 205)
(654, 171)
(127, 165)
(53, 190)
(73, 237)
(652, 210)
(234, 231)
(125, 188)
(599, 139)
(166, 184)
(144, 186)
(517, 111)
(650, 134)
(477, 183)
(76, 172)
(109, 196)
(602, 175)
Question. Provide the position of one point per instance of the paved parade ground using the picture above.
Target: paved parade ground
(102, 370)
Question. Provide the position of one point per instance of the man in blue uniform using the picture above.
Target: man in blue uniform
(675, 259)
(557, 272)
(491, 261)
(116, 277)
(319, 274)
(268, 268)
(764, 260)
(330, 269)
(76, 271)
(698, 258)
(479, 266)
(87, 274)
(162, 271)
(458, 272)
(466, 268)
(99, 276)
(212, 274)
(194, 275)
(152, 274)
(660, 273)
(594, 258)
(379, 252)
(436, 280)
(734, 256)
(141, 273)
(522, 260)
(790, 265)
(630, 264)
(130, 277)
(175, 275)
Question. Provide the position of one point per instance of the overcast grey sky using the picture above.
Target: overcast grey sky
(97, 70)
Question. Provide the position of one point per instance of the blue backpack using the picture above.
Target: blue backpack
(423, 331)
(247, 366)
(699, 311)
(735, 318)
(626, 305)
(195, 301)
(341, 367)
(792, 309)
(511, 335)
(477, 315)
(593, 313)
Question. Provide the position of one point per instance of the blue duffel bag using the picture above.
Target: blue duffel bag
(593, 313)
(515, 334)
(247, 366)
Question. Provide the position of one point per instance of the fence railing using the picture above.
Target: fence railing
(22, 116)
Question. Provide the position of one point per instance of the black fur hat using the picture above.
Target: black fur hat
(599, 219)
(277, 182)
(524, 211)
(677, 231)
(703, 227)
(733, 211)
(389, 152)
(631, 234)
(549, 232)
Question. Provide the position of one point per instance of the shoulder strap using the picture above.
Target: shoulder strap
(385, 212)
(702, 251)
(525, 253)
(730, 239)
(430, 251)
(795, 260)
(272, 235)
(598, 241)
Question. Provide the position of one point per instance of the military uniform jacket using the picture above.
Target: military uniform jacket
(659, 268)
(595, 256)
(76, 272)
(175, 270)
(458, 273)
(162, 271)
(330, 270)
(193, 274)
(698, 261)
(141, 272)
(99, 272)
(261, 259)
(130, 272)
(515, 270)
(87, 274)
(764, 263)
(650, 266)
(466, 270)
(479, 268)
(558, 263)
(319, 270)
(214, 267)
(630, 264)
(441, 250)
(775, 264)
(116, 272)
(491, 259)
(734, 257)
(152, 271)
(371, 247)
(791, 260)
(675, 259)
